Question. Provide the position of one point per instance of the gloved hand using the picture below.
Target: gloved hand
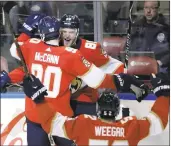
(31, 23)
(34, 89)
(128, 83)
(161, 84)
(5, 79)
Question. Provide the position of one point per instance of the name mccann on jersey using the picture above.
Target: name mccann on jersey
(109, 131)
(44, 57)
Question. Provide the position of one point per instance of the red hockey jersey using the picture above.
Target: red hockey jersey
(90, 130)
(56, 67)
(94, 53)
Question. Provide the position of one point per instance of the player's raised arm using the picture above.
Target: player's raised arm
(157, 119)
(95, 78)
(27, 31)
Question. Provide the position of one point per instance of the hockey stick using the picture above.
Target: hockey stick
(5, 15)
(127, 48)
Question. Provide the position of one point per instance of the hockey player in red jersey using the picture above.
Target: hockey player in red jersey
(69, 35)
(104, 129)
(56, 67)
(94, 53)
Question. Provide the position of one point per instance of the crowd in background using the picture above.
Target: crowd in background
(150, 29)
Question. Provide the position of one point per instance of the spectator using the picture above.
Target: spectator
(151, 33)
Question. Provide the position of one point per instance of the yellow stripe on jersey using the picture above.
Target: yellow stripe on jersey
(94, 77)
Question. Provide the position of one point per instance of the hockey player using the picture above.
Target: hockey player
(69, 33)
(104, 129)
(56, 67)
(94, 53)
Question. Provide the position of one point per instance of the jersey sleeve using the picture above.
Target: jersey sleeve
(88, 72)
(68, 128)
(22, 39)
(106, 63)
(58, 125)
(17, 75)
(100, 56)
(113, 66)
(101, 59)
(157, 119)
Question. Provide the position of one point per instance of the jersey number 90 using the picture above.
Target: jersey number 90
(45, 76)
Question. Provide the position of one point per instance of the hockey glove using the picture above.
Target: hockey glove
(128, 83)
(161, 84)
(31, 23)
(34, 89)
(5, 79)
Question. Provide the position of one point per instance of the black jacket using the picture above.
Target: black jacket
(152, 37)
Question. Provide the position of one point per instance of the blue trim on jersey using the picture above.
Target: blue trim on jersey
(123, 96)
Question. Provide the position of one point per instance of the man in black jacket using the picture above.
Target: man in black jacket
(151, 33)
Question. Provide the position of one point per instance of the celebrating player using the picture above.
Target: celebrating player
(104, 129)
(56, 67)
(94, 53)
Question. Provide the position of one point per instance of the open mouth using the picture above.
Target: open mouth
(67, 42)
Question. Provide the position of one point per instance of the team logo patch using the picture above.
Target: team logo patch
(75, 85)
(160, 37)
(86, 62)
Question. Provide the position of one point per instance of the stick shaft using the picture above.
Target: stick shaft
(127, 48)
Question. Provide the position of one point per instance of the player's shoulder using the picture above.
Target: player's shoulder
(90, 45)
(70, 52)
(89, 117)
(127, 120)
(88, 41)
(33, 41)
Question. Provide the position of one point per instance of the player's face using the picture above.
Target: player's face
(68, 36)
